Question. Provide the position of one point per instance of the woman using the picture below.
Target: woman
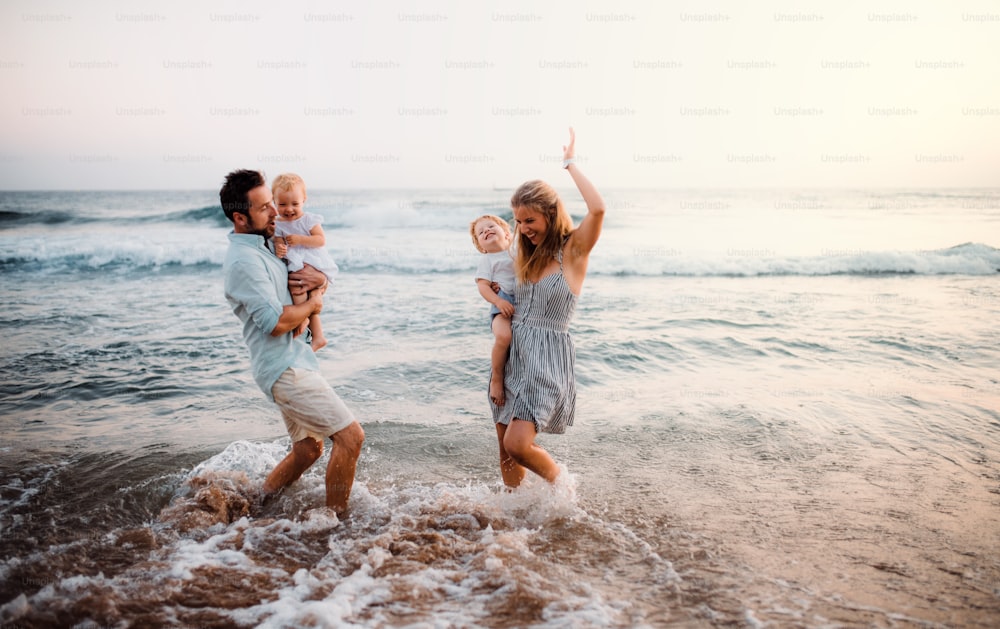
(550, 265)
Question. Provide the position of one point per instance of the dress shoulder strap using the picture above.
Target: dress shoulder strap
(559, 255)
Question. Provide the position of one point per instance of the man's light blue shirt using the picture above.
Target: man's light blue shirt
(257, 289)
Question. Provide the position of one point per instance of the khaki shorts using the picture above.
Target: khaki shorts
(309, 405)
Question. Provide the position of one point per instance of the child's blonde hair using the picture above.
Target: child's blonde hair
(287, 181)
(496, 219)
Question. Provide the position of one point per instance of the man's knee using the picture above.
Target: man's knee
(350, 438)
(308, 450)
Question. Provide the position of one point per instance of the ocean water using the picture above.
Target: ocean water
(789, 416)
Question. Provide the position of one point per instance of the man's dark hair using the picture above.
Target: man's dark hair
(233, 194)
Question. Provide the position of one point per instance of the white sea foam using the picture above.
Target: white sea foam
(646, 233)
(255, 459)
(456, 549)
(370, 253)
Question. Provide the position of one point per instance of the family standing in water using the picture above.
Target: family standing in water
(533, 292)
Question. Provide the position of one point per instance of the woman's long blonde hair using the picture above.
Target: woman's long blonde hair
(539, 196)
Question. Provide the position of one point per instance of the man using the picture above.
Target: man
(285, 368)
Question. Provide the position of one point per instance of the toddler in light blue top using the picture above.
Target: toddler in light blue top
(300, 240)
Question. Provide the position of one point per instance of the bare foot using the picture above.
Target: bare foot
(318, 342)
(496, 391)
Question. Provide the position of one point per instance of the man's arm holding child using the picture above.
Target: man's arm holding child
(305, 279)
(292, 316)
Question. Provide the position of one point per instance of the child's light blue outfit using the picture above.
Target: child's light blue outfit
(299, 255)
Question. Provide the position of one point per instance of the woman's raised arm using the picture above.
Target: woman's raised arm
(585, 236)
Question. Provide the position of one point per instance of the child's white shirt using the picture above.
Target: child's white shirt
(497, 267)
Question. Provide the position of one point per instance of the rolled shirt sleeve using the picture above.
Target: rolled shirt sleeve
(256, 288)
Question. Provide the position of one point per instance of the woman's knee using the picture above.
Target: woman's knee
(517, 444)
(516, 452)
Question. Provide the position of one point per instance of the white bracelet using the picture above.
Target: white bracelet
(567, 162)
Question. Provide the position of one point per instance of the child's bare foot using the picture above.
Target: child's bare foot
(496, 391)
(318, 342)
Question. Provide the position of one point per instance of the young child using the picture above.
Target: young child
(299, 240)
(492, 238)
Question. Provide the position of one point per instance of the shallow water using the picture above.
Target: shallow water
(766, 450)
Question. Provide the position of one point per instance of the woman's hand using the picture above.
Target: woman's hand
(569, 150)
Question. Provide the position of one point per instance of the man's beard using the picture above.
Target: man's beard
(266, 232)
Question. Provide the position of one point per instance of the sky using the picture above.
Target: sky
(356, 94)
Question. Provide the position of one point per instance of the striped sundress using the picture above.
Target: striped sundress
(539, 380)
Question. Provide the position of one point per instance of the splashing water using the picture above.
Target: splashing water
(442, 553)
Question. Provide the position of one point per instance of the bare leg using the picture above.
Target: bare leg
(304, 453)
(299, 299)
(315, 325)
(318, 340)
(510, 470)
(343, 462)
(519, 443)
(498, 358)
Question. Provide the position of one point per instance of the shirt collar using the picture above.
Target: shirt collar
(250, 240)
